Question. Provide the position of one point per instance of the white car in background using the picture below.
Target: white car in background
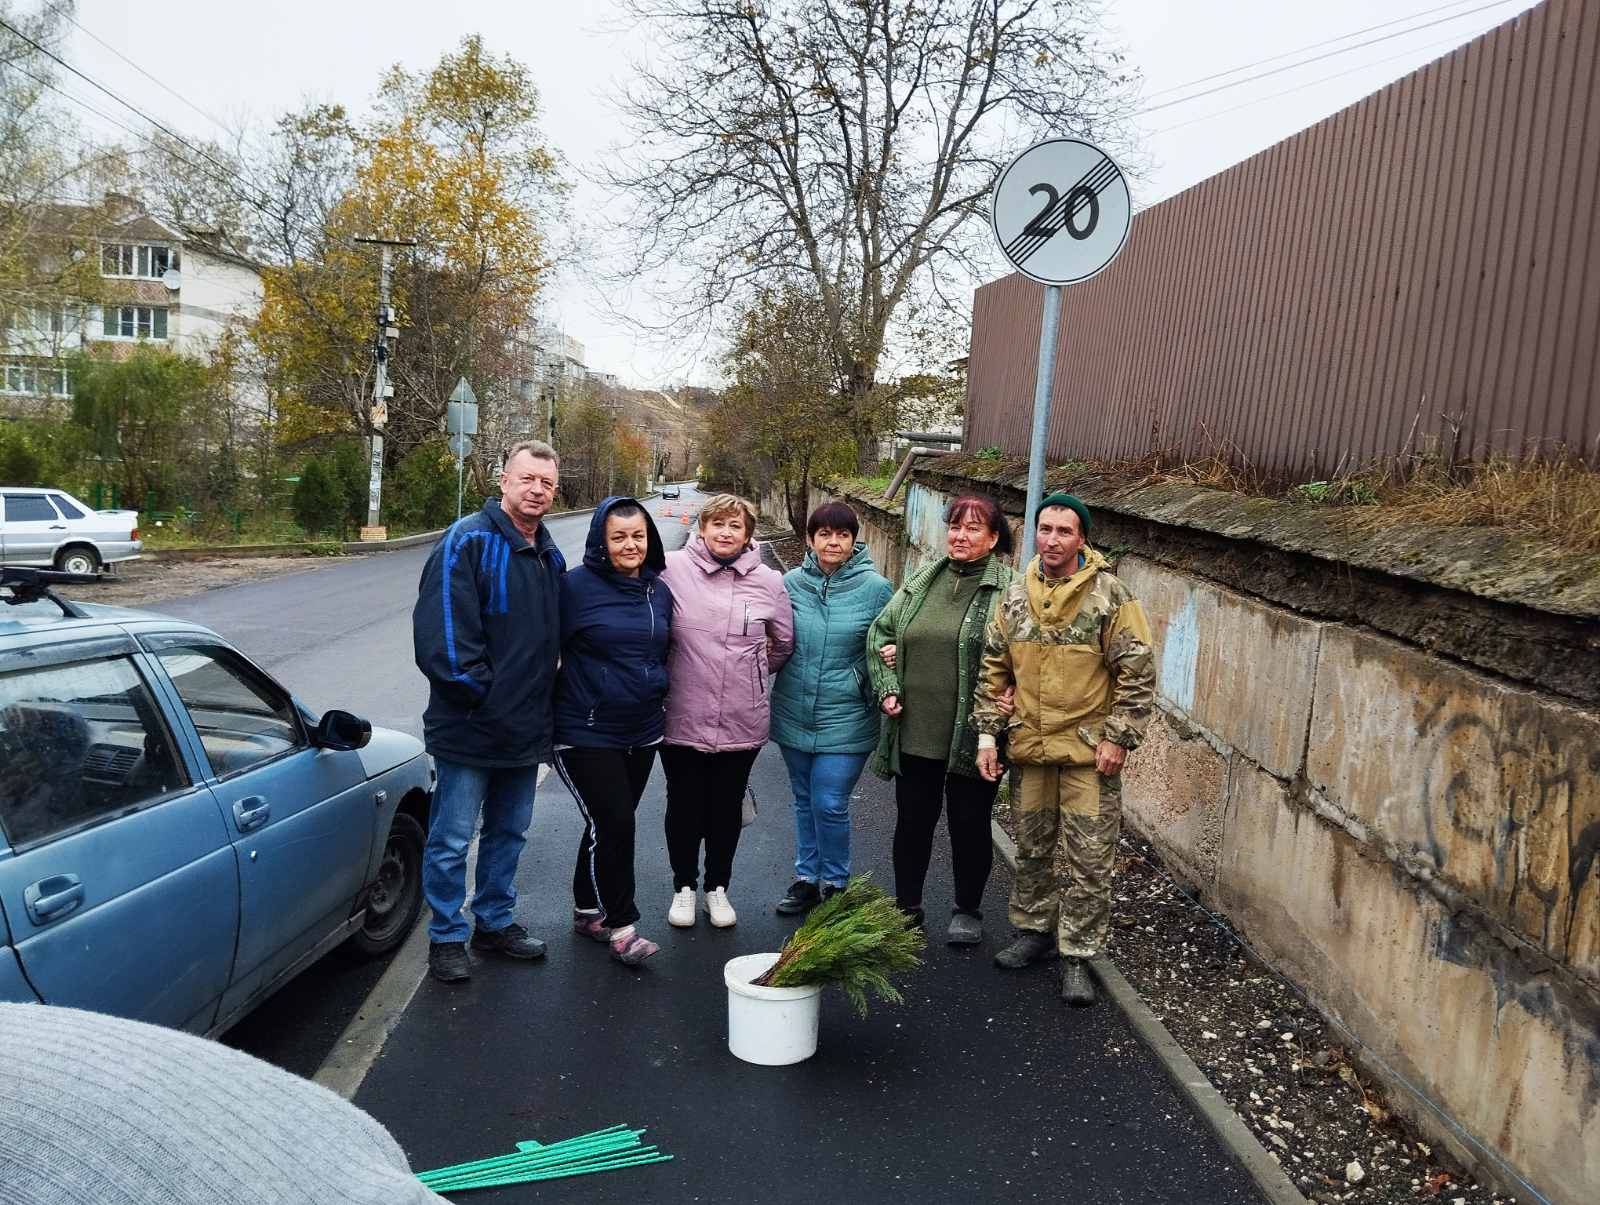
(52, 528)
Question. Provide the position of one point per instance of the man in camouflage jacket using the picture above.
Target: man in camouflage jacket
(1075, 644)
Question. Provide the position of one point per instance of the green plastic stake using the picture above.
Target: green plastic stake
(528, 1146)
(602, 1145)
(531, 1166)
(560, 1173)
(610, 1149)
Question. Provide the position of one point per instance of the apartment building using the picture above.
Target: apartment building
(179, 288)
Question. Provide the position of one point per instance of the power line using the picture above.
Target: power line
(58, 89)
(1389, 37)
(1308, 84)
(1273, 58)
(228, 173)
(227, 184)
(61, 12)
(103, 115)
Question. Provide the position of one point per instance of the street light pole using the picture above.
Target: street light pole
(382, 391)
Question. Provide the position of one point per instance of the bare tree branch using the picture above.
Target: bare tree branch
(855, 141)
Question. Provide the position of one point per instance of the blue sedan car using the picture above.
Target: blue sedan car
(178, 835)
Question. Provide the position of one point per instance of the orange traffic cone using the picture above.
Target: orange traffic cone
(668, 512)
(686, 518)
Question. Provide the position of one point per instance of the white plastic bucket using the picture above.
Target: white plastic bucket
(773, 1026)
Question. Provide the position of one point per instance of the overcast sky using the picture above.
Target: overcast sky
(246, 63)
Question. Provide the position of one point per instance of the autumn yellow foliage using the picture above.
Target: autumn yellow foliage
(453, 162)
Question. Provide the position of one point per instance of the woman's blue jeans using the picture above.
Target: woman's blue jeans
(822, 783)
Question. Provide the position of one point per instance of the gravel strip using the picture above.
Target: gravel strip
(1270, 1054)
(143, 583)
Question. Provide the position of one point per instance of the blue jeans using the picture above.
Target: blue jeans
(505, 797)
(822, 783)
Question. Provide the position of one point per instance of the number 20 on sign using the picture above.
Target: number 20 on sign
(1061, 214)
(1061, 211)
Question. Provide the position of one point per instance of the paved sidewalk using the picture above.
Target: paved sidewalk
(982, 1087)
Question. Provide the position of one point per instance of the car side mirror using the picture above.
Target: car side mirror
(341, 730)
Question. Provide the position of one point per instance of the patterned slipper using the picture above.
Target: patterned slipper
(633, 950)
(591, 925)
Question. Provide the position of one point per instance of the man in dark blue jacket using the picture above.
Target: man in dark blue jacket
(487, 630)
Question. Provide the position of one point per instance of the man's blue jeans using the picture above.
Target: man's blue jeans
(822, 783)
(505, 797)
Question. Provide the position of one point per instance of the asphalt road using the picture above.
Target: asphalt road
(982, 1086)
(340, 636)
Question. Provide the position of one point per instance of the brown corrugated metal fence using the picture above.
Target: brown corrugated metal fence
(1425, 260)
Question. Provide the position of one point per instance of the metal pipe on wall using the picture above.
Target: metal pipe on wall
(904, 470)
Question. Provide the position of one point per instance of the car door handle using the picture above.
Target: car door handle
(58, 527)
(251, 813)
(54, 897)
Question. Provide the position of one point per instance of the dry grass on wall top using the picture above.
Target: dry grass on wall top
(1556, 499)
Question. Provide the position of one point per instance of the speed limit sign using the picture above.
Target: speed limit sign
(1061, 211)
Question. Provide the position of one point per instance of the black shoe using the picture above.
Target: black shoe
(448, 961)
(829, 891)
(1028, 947)
(802, 897)
(914, 918)
(1077, 989)
(511, 942)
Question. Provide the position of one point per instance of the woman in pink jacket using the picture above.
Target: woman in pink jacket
(731, 629)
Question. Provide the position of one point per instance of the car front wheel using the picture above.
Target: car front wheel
(78, 559)
(395, 897)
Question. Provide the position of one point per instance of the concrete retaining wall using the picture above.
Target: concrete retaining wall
(1415, 841)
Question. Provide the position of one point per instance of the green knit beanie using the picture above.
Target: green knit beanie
(1071, 502)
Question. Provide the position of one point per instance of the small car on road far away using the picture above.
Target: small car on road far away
(52, 528)
(178, 834)
(669, 491)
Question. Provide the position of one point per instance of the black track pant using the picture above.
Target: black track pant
(921, 789)
(607, 784)
(705, 793)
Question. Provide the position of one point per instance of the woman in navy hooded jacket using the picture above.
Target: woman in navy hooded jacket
(616, 616)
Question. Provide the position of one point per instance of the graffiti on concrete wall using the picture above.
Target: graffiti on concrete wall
(1500, 790)
(1180, 647)
(925, 534)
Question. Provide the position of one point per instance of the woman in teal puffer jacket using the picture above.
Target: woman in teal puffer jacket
(824, 713)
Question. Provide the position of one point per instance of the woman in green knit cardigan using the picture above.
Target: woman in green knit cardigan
(924, 651)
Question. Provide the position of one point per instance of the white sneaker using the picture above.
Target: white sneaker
(721, 912)
(681, 914)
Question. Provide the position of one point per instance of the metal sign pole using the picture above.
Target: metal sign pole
(1061, 212)
(1041, 415)
(461, 420)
